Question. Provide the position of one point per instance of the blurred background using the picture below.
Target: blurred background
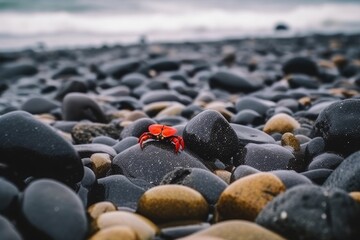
(81, 23)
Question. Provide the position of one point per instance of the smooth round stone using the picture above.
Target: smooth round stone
(163, 95)
(173, 110)
(117, 189)
(291, 178)
(301, 65)
(8, 196)
(35, 149)
(171, 120)
(177, 232)
(247, 117)
(79, 106)
(318, 176)
(136, 128)
(8, 231)
(86, 150)
(203, 181)
(258, 105)
(314, 111)
(289, 103)
(173, 203)
(144, 228)
(133, 80)
(312, 212)
(125, 144)
(303, 81)
(65, 72)
(288, 139)
(349, 181)
(162, 64)
(281, 123)
(234, 230)
(117, 91)
(268, 157)
(326, 160)
(247, 135)
(242, 171)
(104, 140)
(210, 136)
(339, 126)
(355, 196)
(119, 68)
(96, 209)
(313, 148)
(17, 69)
(73, 86)
(152, 109)
(246, 197)
(115, 233)
(233, 82)
(152, 162)
(100, 164)
(54, 210)
(83, 133)
(39, 105)
(224, 175)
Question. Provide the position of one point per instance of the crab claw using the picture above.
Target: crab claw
(145, 136)
(179, 143)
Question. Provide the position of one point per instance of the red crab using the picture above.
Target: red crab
(162, 133)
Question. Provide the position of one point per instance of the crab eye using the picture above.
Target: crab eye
(155, 129)
(168, 131)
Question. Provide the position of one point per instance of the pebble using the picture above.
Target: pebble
(258, 105)
(242, 171)
(86, 150)
(235, 230)
(288, 139)
(115, 233)
(119, 68)
(318, 176)
(143, 227)
(246, 197)
(281, 123)
(42, 153)
(9, 195)
(326, 160)
(319, 206)
(339, 126)
(8, 231)
(247, 135)
(125, 144)
(210, 136)
(95, 210)
(173, 203)
(301, 65)
(16, 70)
(83, 133)
(291, 178)
(39, 105)
(47, 203)
(100, 164)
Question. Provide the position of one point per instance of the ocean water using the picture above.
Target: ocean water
(74, 23)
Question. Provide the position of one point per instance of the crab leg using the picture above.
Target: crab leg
(145, 136)
(179, 143)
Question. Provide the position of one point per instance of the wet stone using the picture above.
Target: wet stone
(235, 230)
(38, 105)
(312, 212)
(119, 68)
(79, 106)
(46, 203)
(168, 203)
(258, 105)
(125, 144)
(210, 136)
(152, 162)
(291, 178)
(247, 135)
(326, 160)
(317, 176)
(8, 231)
(299, 80)
(246, 197)
(301, 65)
(117, 189)
(242, 171)
(339, 125)
(203, 181)
(247, 117)
(350, 181)
(31, 155)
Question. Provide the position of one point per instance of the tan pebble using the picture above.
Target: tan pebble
(64, 135)
(355, 196)
(281, 123)
(173, 110)
(99, 208)
(135, 115)
(143, 227)
(115, 233)
(45, 118)
(167, 203)
(326, 64)
(305, 101)
(100, 164)
(221, 108)
(121, 114)
(288, 139)
(246, 197)
(339, 60)
(236, 230)
(152, 109)
(224, 175)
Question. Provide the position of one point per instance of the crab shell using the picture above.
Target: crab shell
(162, 133)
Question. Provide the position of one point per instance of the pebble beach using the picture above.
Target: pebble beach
(271, 131)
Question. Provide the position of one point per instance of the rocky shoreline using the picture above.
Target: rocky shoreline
(271, 129)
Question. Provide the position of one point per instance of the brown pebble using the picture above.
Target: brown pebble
(172, 110)
(305, 101)
(135, 115)
(247, 196)
(152, 109)
(115, 233)
(172, 203)
(143, 227)
(355, 196)
(288, 139)
(99, 208)
(100, 164)
(281, 123)
(235, 230)
(224, 175)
